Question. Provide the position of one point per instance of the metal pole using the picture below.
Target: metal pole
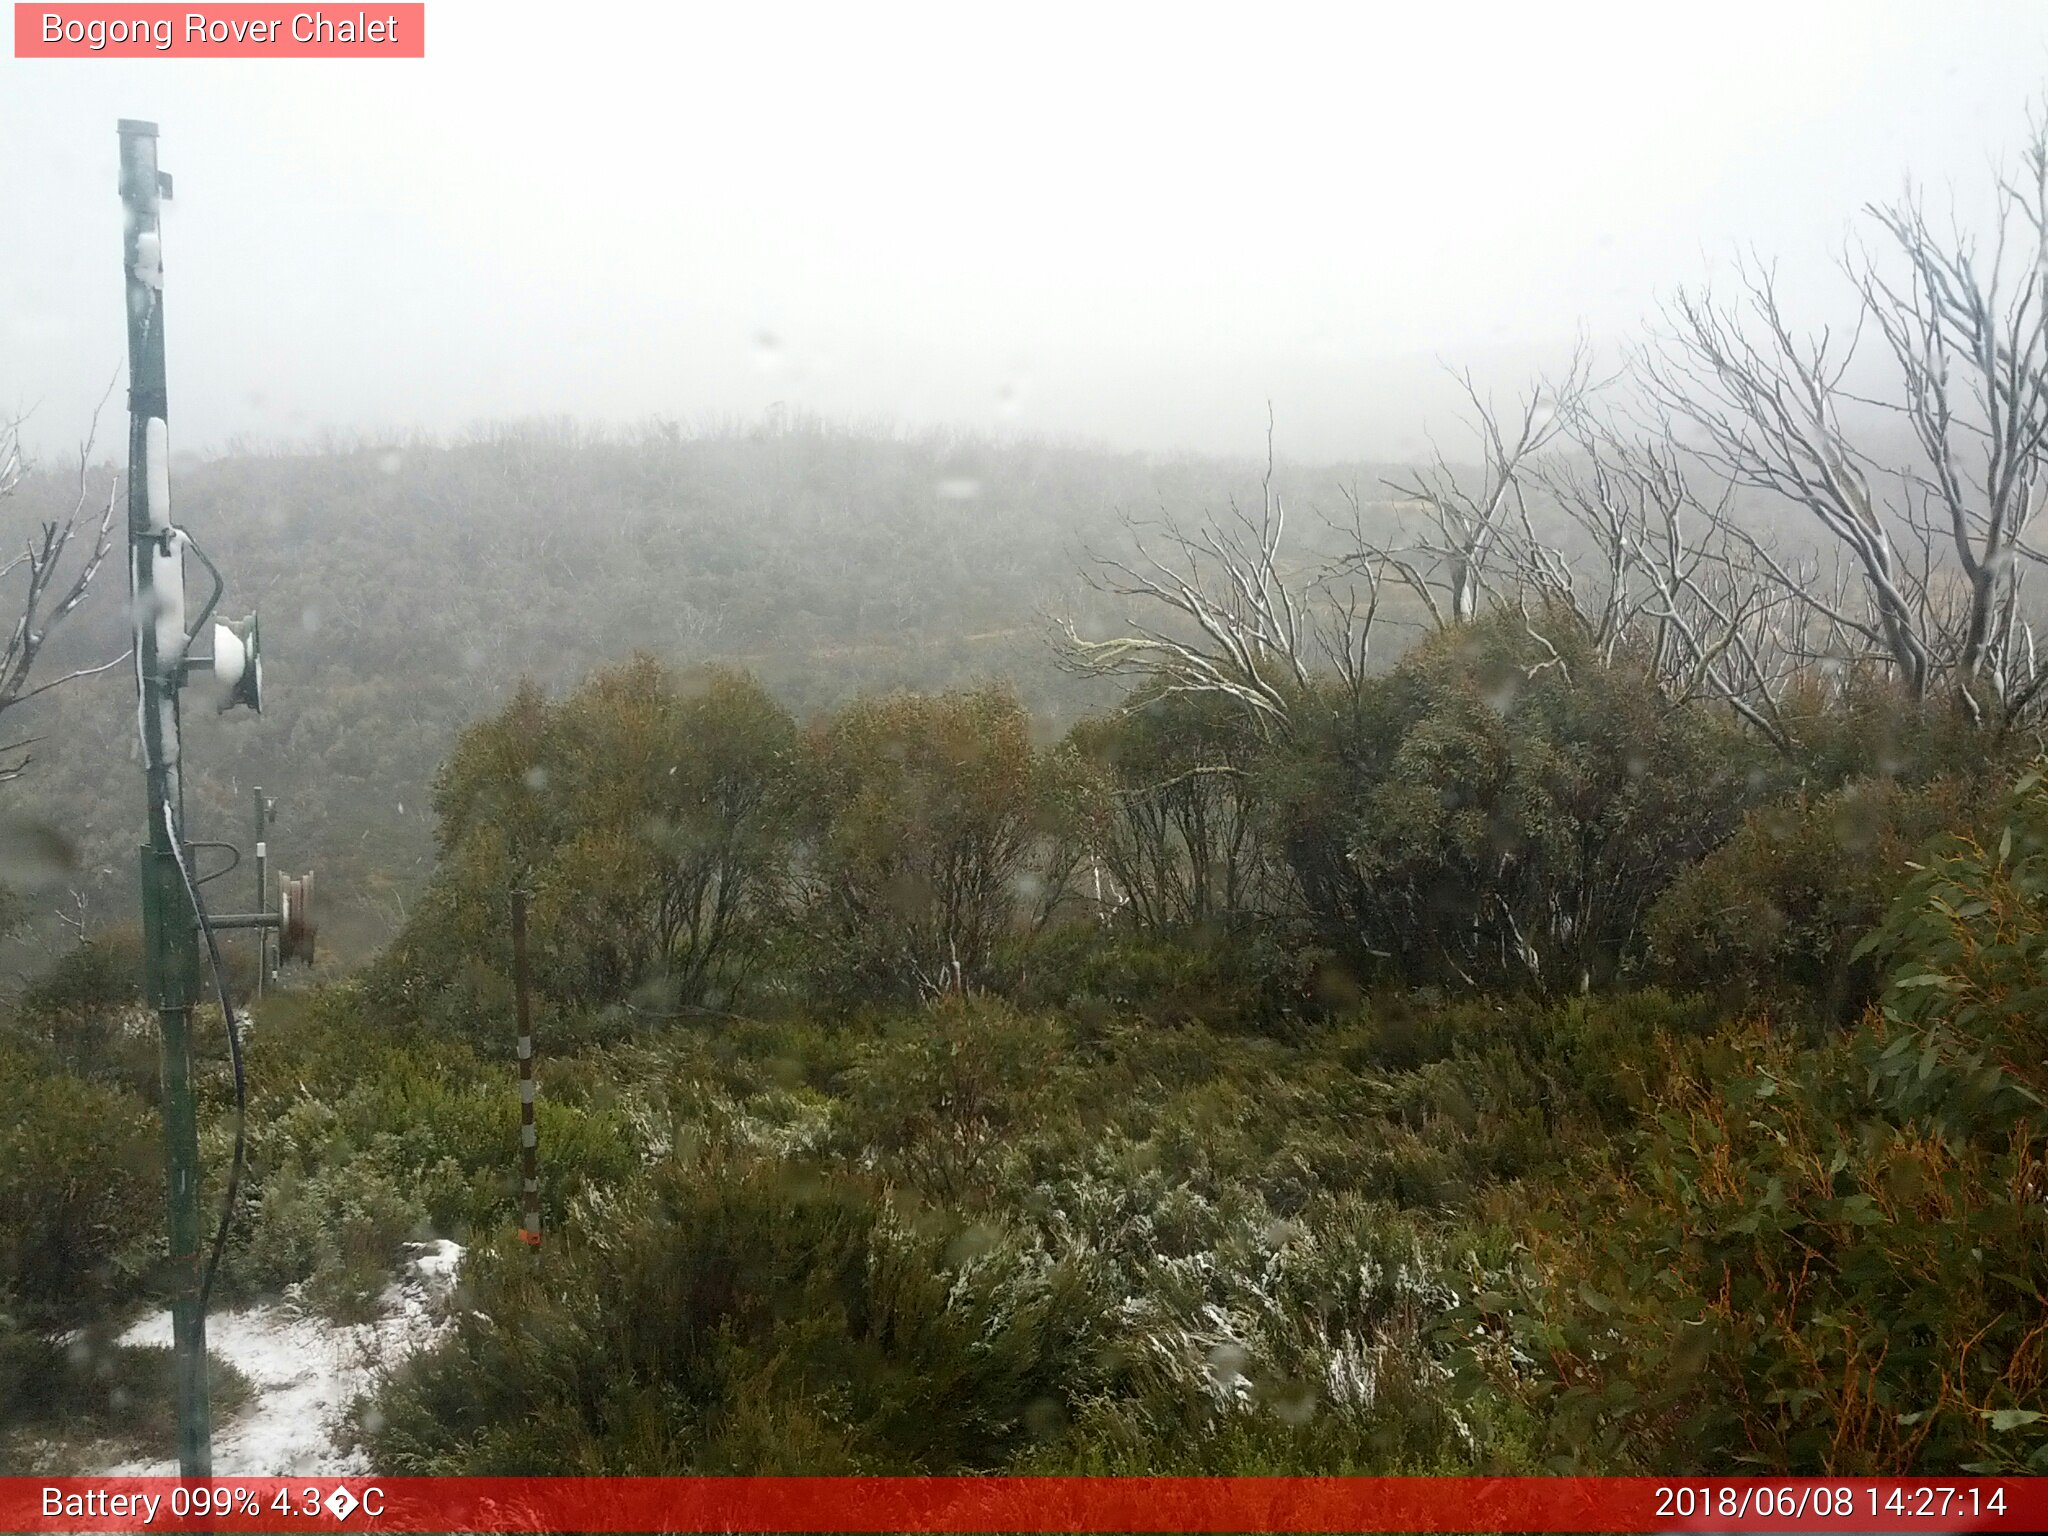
(529, 1148)
(156, 579)
(262, 891)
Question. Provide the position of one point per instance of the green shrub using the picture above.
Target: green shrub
(88, 1385)
(355, 1150)
(1518, 1090)
(1265, 977)
(738, 1315)
(86, 1006)
(942, 1099)
(1774, 917)
(1866, 724)
(930, 811)
(101, 974)
(81, 1199)
(1787, 1276)
(1833, 1259)
(1967, 941)
(332, 1238)
(650, 814)
(1499, 811)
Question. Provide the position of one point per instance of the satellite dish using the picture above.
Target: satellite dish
(238, 663)
(230, 656)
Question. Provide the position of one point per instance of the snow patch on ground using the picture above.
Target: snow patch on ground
(306, 1372)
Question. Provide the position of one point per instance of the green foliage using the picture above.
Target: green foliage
(673, 831)
(1163, 803)
(1789, 1277)
(1828, 1260)
(650, 815)
(1496, 812)
(1268, 976)
(742, 1316)
(1499, 811)
(928, 817)
(1865, 725)
(1775, 915)
(331, 1238)
(356, 1151)
(1968, 940)
(98, 975)
(944, 1097)
(81, 1196)
(89, 1386)
(86, 1007)
(969, 1238)
(1257, 1233)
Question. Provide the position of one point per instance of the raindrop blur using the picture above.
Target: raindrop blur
(1227, 1362)
(1045, 1418)
(1293, 1402)
(34, 853)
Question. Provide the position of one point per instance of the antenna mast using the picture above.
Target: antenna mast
(156, 583)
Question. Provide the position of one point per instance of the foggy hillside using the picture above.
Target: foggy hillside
(1052, 743)
(405, 590)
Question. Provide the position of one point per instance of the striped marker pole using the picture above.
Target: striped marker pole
(529, 1143)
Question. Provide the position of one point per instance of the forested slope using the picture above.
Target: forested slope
(406, 590)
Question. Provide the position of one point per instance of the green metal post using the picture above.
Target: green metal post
(156, 570)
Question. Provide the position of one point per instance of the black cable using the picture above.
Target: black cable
(227, 1014)
(174, 537)
(226, 869)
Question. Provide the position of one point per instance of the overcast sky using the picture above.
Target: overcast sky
(1131, 223)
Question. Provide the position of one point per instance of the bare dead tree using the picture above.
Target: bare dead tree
(1636, 558)
(1675, 583)
(1226, 612)
(45, 598)
(1938, 546)
(1218, 608)
(1452, 556)
(74, 916)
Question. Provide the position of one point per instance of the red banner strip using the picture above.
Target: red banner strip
(372, 30)
(990, 1504)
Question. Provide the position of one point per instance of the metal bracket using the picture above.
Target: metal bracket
(219, 586)
(242, 919)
